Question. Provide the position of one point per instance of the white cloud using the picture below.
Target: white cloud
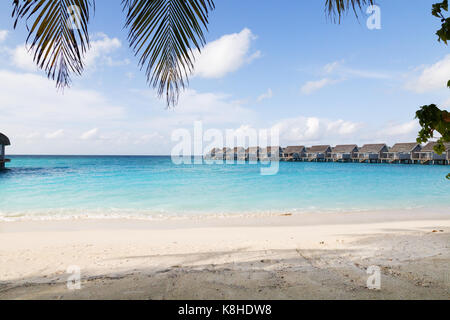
(99, 54)
(401, 129)
(311, 130)
(311, 86)
(432, 78)
(3, 35)
(330, 67)
(100, 51)
(304, 131)
(44, 103)
(54, 135)
(338, 69)
(89, 135)
(267, 95)
(22, 58)
(225, 55)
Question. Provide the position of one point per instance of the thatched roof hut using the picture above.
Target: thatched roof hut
(345, 148)
(344, 152)
(403, 152)
(373, 148)
(294, 149)
(273, 150)
(405, 147)
(430, 147)
(428, 153)
(319, 149)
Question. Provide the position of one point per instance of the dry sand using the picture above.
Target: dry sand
(308, 256)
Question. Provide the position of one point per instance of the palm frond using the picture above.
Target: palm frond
(163, 33)
(337, 8)
(58, 34)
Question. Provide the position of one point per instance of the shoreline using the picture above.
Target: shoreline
(73, 215)
(307, 256)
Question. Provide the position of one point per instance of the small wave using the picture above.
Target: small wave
(135, 214)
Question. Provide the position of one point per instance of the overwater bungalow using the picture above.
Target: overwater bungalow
(237, 153)
(212, 154)
(428, 156)
(294, 153)
(221, 154)
(372, 152)
(344, 152)
(402, 153)
(271, 154)
(317, 153)
(252, 153)
(4, 141)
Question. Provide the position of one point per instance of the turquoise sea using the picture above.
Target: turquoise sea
(46, 187)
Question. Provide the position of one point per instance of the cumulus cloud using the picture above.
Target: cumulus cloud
(315, 130)
(3, 35)
(22, 58)
(267, 95)
(432, 78)
(402, 129)
(311, 86)
(42, 101)
(225, 55)
(100, 53)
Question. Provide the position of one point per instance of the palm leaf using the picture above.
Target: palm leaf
(337, 8)
(163, 33)
(58, 36)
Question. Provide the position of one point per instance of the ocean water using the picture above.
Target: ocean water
(48, 187)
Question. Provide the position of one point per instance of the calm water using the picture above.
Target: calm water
(57, 186)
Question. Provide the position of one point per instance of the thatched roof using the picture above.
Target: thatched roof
(345, 148)
(403, 147)
(253, 150)
(4, 140)
(272, 149)
(372, 148)
(294, 149)
(430, 147)
(318, 149)
(238, 150)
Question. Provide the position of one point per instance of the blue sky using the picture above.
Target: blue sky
(267, 64)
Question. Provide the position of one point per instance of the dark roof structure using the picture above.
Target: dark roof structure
(4, 140)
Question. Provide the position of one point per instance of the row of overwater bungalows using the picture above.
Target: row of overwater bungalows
(369, 153)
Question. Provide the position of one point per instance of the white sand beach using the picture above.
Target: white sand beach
(305, 256)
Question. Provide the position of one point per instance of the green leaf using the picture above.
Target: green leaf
(58, 34)
(163, 33)
(337, 8)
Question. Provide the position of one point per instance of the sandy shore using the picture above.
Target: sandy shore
(308, 256)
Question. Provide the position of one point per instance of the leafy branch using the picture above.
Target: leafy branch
(430, 117)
